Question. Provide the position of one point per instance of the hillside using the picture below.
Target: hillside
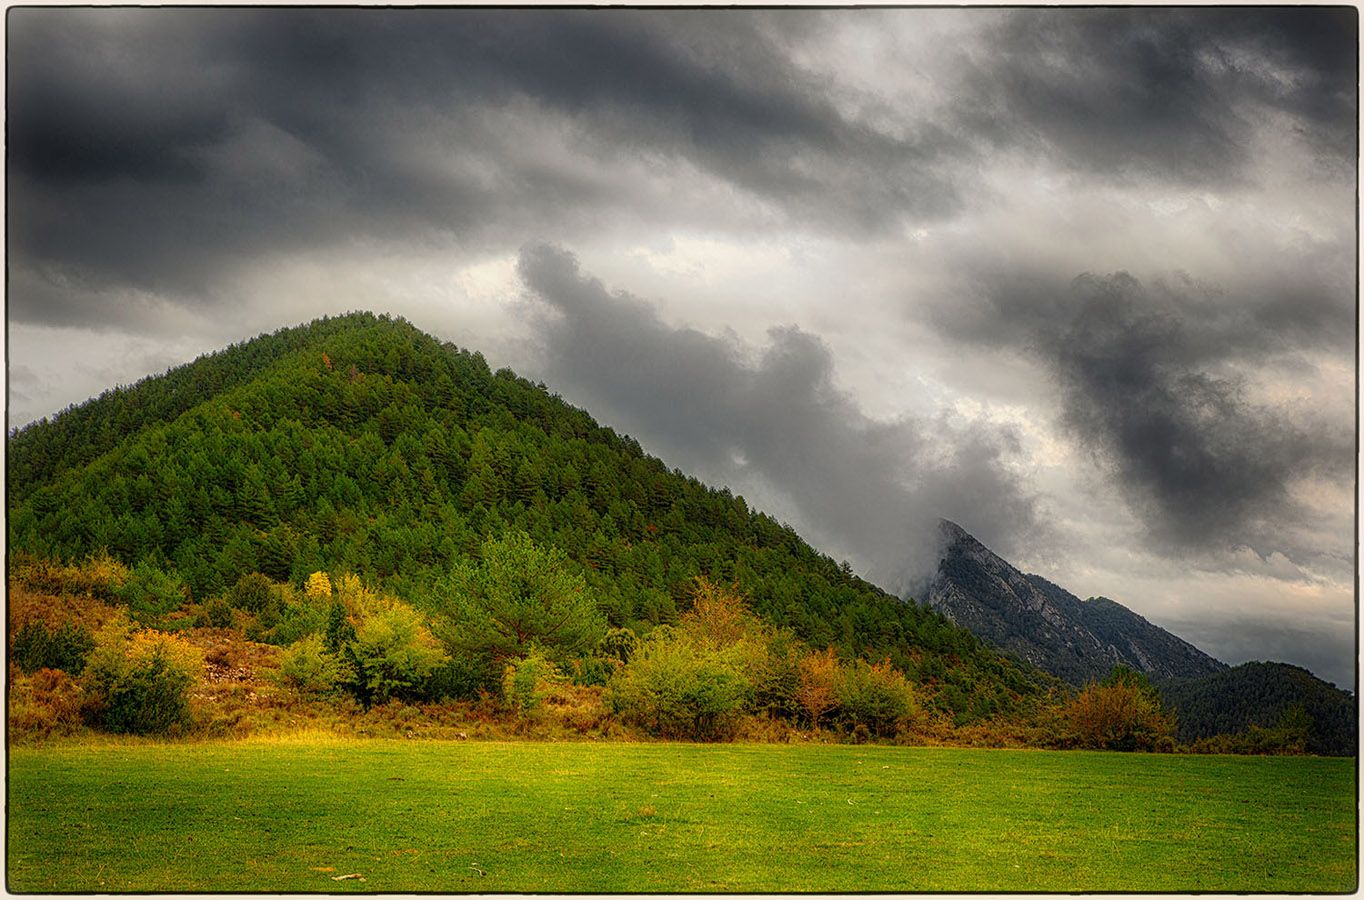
(1265, 695)
(361, 445)
(1077, 641)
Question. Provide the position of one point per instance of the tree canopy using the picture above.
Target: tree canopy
(516, 596)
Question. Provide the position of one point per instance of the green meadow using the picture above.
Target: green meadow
(291, 815)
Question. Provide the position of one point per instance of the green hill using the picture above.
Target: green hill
(1265, 696)
(359, 444)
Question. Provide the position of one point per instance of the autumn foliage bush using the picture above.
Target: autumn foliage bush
(43, 704)
(817, 685)
(677, 687)
(875, 697)
(138, 681)
(528, 681)
(1288, 737)
(351, 657)
(37, 646)
(720, 663)
(1123, 712)
(307, 666)
(99, 575)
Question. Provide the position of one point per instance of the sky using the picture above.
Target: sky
(1080, 280)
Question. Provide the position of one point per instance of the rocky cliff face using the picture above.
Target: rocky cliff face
(1075, 640)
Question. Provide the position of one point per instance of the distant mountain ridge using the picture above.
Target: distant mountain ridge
(1076, 640)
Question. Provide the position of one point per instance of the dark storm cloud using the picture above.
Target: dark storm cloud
(1163, 93)
(157, 149)
(1151, 384)
(166, 149)
(1197, 460)
(779, 421)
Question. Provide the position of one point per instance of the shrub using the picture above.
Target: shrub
(392, 654)
(766, 658)
(874, 697)
(459, 678)
(318, 587)
(36, 647)
(308, 667)
(298, 617)
(215, 613)
(99, 576)
(817, 690)
(618, 644)
(675, 687)
(339, 630)
(579, 708)
(253, 593)
(1289, 737)
(138, 682)
(44, 704)
(526, 682)
(1123, 712)
(593, 671)
(717, 613)
(770, 660)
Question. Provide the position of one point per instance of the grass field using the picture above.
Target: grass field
(290, 815)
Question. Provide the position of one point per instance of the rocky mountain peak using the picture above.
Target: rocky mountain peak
(1045, 624)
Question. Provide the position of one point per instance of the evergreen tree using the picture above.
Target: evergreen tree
(519, 595)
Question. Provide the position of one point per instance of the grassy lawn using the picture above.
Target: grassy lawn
(289, 815)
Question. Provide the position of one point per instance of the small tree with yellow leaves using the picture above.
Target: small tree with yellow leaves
(817, 692)
(318, 587)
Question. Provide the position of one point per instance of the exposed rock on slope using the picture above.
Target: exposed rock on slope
(1075, 640)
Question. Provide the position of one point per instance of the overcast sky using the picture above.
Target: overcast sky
(1082, 280)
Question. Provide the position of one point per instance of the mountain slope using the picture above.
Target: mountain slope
(1077, 641)
(77, 435)
(1261, 694)
(361, 444)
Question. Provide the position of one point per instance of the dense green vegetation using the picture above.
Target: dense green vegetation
(487, 817)
(1270, 704)
(408, 526)
(360, 445)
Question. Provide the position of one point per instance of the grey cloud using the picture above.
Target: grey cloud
(142, 141)
(22, 384)
(874, 488)
(165, 149)
(1151, 384)
(1163, 94)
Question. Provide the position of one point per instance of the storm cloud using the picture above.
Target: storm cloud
(1202, 465)
(250, 133)
(1174, 96)
(1158, 386)
(773, 424)
(195, 140)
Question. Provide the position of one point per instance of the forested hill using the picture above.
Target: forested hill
(359, 444)
(80, 433)
(1257, 696)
